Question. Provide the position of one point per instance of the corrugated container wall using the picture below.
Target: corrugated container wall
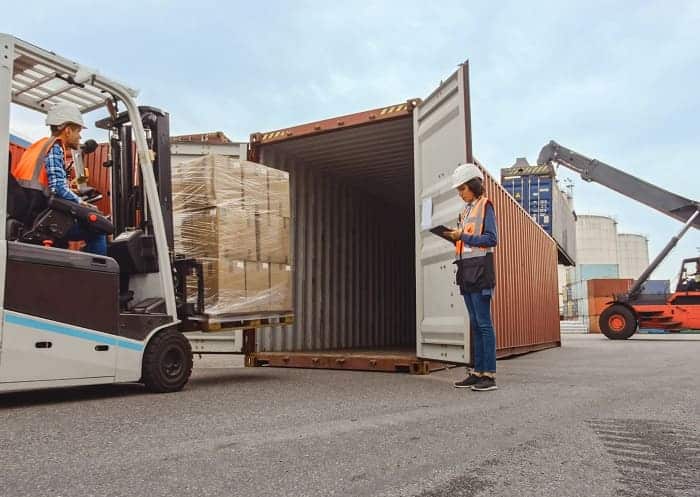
(100, 175)
(185, 151)
(16, 152)
(563, 222)
(353, 238)
(632, 255)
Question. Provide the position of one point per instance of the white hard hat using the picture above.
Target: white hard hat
(64, 113)
(464, 173)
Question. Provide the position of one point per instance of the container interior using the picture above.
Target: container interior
(352, 200)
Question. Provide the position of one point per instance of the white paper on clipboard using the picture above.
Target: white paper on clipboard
(426, 214)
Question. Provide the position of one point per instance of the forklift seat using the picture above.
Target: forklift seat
(34, 218)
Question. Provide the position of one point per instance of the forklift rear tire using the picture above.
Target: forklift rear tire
(167, 362)
(618, 322)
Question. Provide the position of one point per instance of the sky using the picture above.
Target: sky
(614, 80)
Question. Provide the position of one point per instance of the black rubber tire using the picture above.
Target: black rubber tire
(167, 362)
(618, 322)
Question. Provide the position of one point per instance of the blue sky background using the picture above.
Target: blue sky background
(617, 81)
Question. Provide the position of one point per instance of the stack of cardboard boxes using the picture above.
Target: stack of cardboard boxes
(234, 217)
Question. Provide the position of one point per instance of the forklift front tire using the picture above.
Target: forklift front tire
(167, 362)
(618, 322)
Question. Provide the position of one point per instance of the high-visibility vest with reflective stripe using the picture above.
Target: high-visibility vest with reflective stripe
(471, 222)
(30, 171)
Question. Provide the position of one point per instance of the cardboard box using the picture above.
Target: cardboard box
(208, 181)
(281, 287)
(236, 231)
(231, 280)
(273, 238)
(218, 233)
(255, 186)
(278, 192)
(257, 285)
(224, 286)
(233, 216)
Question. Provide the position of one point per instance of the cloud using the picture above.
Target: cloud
(615, 80)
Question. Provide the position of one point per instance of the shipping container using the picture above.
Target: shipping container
(536, 189)
(100, 175)
(184, 148)
(16, 152)
(367, 273)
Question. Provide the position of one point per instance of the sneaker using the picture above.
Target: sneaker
(485, 384)
(469, 381)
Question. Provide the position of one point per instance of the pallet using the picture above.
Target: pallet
(355, 360)
(209, 323)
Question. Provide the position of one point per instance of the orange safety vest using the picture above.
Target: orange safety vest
(30, 171)
(471, 222)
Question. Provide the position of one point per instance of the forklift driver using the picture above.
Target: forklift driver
(42, 167)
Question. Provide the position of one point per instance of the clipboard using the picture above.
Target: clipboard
(440, 230)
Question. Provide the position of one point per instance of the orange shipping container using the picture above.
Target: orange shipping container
(16, 152)
(100, 177)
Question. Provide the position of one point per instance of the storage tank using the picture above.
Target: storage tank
(632, 255)
(596, 240)
(561, 284)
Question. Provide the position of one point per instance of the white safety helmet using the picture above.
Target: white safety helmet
(464, 173)
(64, 113)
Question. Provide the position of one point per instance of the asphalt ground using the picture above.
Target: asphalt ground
(593, 418)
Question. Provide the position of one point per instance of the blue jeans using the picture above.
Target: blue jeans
(96, 243)
(479, 307)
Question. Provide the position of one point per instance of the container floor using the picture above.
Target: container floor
(394, 360)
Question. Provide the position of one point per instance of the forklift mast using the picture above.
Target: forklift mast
(680, 208)
(129, 207)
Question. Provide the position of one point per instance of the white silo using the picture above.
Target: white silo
(632, 255)
(596, 240)
(596, 257)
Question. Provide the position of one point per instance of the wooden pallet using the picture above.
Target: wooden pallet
(356, 360)
(209, 323)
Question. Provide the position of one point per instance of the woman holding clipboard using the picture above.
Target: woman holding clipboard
(475, 239)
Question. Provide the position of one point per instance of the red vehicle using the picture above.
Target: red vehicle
(628, 312)
(675, 312)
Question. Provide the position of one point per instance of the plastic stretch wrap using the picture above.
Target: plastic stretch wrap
(233, 216)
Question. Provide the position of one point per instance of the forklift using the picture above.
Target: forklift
(71, 318)
(628, 312)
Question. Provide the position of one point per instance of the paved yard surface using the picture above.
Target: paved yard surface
(594, 418)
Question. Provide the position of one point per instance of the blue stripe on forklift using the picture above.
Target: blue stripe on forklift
(71, 332)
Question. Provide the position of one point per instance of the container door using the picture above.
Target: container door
(440, 127)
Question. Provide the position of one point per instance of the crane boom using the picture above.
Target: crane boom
(671, 204)
(680, 208)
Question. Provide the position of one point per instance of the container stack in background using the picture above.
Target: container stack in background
(234, 216)
(537, 190)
